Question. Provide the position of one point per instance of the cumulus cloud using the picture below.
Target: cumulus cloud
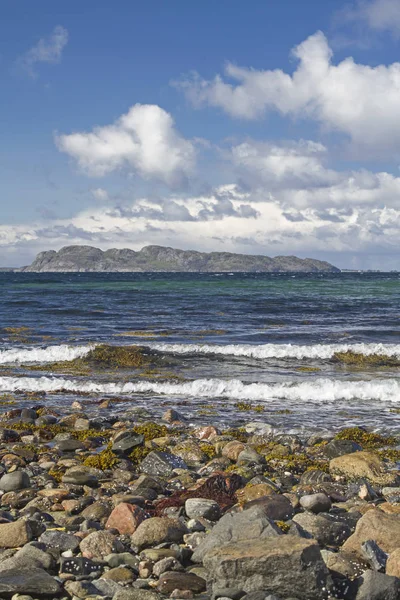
(357, 100)
(143, 140)
(47, 50)
(295, 175)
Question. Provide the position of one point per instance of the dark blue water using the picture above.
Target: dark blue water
(261, 338)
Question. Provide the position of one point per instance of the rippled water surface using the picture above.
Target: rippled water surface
(263, 340)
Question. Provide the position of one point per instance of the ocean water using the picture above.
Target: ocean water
(225, 342)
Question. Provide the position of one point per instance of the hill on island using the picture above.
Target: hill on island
(85, 259)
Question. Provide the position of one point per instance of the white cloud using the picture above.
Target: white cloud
(143, 140)
(295, 175)
(379, 15)
(360, 101)
(47, 50)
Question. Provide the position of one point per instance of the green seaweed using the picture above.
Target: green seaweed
(367, 440)
(355, 359)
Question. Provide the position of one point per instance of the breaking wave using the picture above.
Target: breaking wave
(43, 355)
(319, 390)
(265, 351)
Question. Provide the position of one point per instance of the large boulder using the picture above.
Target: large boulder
(234, 527)
(362, 464)
(375, 525)
(283, 565)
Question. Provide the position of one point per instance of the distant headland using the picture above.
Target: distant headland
(87, 259)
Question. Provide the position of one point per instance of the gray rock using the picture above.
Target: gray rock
(169, 563)
(107, 587)
(158, 530)
(60, 540)
(28, 415)
(80, 476)
(235, 527)
(316, 503)
(70, 445)
(327, 530)
(337, 448)
(161, 464)
(249, 456)
(391, 494)
(124, 558)
(274, 506)
(18, 480)
(178, 580)
(374, 555)
(377, 586)
(283, 565)
(28, 581)
(100, 544)
(126, 441)
(201, 507)
(29, 556)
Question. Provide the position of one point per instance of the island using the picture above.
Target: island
(87, 259)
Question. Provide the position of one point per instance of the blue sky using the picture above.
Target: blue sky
(266, 127)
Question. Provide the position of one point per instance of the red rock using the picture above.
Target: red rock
(126, 518)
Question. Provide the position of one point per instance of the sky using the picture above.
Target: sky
(262, 127)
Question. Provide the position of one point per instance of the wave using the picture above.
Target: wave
(320, 390)
(43, 355)
(265, 351)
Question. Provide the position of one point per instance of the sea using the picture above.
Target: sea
(234, 348)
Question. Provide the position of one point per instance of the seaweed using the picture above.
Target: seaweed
(355, 359)
(104, 460)
(220, 488)
(368, 440)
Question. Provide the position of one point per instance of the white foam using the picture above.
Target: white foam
(318, 390)
(43, 355)
(265, 351)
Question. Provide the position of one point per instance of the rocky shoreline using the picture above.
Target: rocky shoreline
(116, 509)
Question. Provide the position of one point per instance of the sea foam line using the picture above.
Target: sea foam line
(318, 390)
(265, 351)
(43, 355)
